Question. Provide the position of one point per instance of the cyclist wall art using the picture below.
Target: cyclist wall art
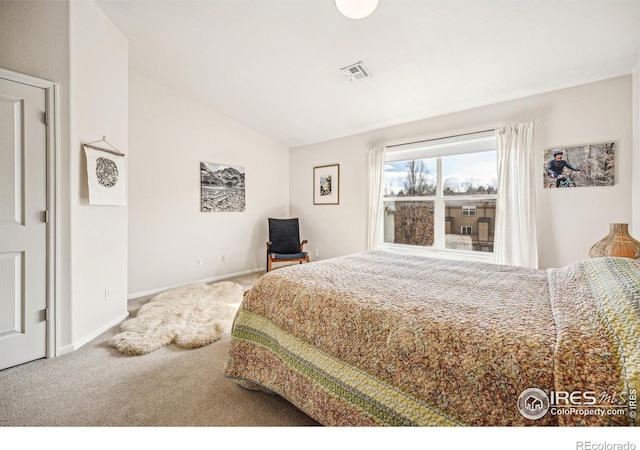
(580, 166)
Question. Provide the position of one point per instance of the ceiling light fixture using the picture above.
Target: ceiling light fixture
(356, 9)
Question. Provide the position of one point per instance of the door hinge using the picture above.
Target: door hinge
(46, 216)
(46, 314)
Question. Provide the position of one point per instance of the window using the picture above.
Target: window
(441, 195)
(468, 210)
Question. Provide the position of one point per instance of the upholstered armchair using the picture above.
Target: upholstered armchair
(284, 243)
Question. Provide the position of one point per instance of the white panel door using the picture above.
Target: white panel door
(23, 230)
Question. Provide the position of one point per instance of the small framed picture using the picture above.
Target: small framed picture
(326, 185)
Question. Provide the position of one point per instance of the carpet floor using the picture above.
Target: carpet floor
(98, 386)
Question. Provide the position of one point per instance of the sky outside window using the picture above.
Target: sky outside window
(471, 173)
(395, 175)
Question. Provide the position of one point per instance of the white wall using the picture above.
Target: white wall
(99, 107)
(569, 221)
(635, 196)
(169, 136)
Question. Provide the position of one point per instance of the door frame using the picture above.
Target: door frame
(51, 104)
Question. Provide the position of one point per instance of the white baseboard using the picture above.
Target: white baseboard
(206, 280)
(94, 334)
(88, 338)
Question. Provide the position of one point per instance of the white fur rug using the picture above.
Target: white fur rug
(191, 316)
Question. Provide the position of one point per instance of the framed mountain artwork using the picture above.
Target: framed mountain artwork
(222, 188)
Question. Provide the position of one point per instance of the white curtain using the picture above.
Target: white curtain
(515, 230)
(376, 173)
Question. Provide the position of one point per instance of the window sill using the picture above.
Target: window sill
(459, 255)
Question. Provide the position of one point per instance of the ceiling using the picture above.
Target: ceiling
(274, 65)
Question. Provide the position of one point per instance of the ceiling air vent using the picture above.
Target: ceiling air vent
(356, 72)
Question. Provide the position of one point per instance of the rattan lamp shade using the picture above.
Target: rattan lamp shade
(617, 243)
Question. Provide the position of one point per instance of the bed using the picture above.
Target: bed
(380, 338)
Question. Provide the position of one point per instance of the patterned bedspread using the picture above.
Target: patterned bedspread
(378, 338)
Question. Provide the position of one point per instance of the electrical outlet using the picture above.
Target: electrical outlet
(107, 293)
(222, 258)
(316, 252)
(198, 262)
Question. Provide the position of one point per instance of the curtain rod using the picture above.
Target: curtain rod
(440, 138)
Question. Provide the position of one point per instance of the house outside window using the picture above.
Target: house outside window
(441, 195)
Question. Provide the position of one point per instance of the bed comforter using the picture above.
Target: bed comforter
(378, 338)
